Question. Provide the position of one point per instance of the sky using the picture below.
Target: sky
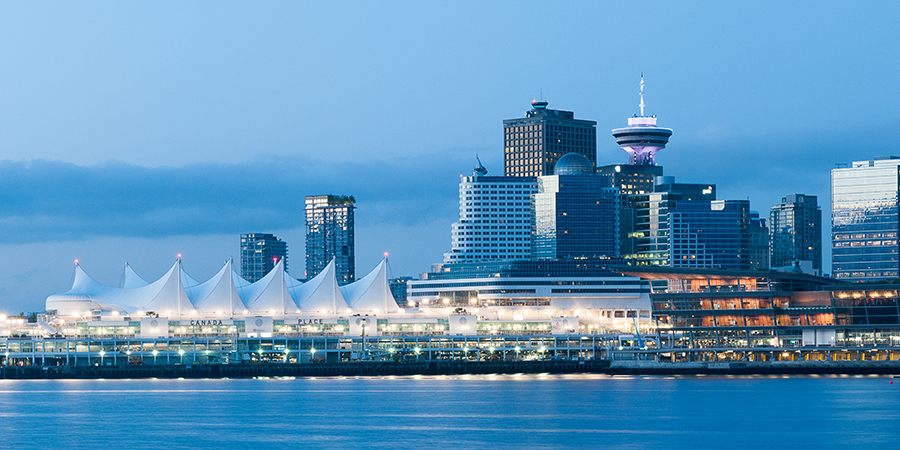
(135, 131)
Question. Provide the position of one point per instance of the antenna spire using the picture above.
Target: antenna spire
(642, 94)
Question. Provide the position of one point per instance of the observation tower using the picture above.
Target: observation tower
(642, 138)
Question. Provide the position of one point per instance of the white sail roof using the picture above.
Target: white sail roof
(218, 294)
(372, 292)
(131, 279)
(322, 293)
(270, 293)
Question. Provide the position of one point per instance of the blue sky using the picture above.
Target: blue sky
(136, 131)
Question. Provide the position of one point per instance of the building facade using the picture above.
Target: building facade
(494, 219)
(259, 254)
(795, 231)
(330, 235)
(576, 213)
(529, 291)
(533, 144)
(864, 220)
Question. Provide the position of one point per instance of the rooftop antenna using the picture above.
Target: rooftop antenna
(480, 170)
(642, 94)
(542, 94)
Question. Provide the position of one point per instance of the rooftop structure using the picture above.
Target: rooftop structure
(642, 138)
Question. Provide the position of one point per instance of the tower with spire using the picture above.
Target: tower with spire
(642, 138)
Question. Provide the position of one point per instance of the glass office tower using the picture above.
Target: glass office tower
(795, 231)
(330, 235)
(864, 220)
(576, 213)
(259, 254)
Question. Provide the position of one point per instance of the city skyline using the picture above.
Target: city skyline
(128, 130)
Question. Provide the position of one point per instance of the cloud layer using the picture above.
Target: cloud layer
(55, 201)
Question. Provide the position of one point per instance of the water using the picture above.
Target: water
(489, 411)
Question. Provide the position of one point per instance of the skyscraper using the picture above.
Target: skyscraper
(575, 213)
(259, 253)
(533, 144)
(330, 234)
(494, 218)
(795, 231)
(864, 220)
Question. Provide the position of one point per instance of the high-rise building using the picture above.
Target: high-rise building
(795, 231)
(576, 213)
(494, 218)
(683, 225)
(864, 220)
(330, 235)
(645, 239)
(533, 144)
(759, 242)
(259, 254)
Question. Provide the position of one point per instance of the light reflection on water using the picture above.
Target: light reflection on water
(465, 411)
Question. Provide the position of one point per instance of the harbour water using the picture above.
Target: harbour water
(468, 411)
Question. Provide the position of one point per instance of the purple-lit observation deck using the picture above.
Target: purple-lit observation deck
(642, 139)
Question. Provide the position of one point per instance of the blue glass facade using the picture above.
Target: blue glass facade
(575, 216)
(864, 220)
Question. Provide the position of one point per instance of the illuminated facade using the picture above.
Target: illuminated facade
(330, 235)
(533, 144)
(795, 231)
(746, 315)
(259, 254)
(864, 220)
(494, 218)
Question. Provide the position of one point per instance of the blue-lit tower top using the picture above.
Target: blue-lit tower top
(642, 138)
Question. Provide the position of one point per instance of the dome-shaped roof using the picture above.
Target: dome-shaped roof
(573, 164)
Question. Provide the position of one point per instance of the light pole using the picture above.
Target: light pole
(155, 352)
(101, 356)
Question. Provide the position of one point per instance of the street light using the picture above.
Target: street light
(155, 352)
(101, 356)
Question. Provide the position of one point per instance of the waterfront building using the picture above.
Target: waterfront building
(259, 254)
(330, 235)
(533, 144)
(864, 220)
(795, 231)
(494, 218)
(576, 213)
(533, 290)
(642, 138)
(732, 311)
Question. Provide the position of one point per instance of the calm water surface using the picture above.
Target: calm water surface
(502, 411)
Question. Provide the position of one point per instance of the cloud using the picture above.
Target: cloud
(47, 201)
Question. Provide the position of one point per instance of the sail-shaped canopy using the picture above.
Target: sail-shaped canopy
(131, 279)
(270, 293)
(372, 292)
(218, 294)
(321, 294)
